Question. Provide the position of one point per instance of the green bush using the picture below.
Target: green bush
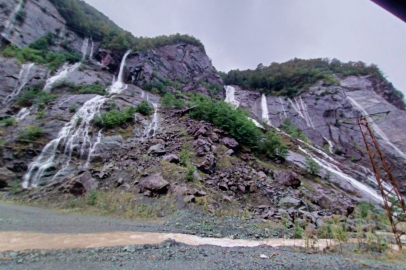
(20, 16)
(190, 170)
(184, 157)
(169, 102)
(92, 197)
(273, 147)
(35, 96)
(144, 108)
(222, 115)
(95, 88)
(114, 118)
(312, 166)
(293, 131)
(42, 55)
(9, 121)
(30, 134)
(73, 108)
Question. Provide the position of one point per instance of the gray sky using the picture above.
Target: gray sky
(243, 33)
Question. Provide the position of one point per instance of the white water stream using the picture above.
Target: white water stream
(119, 85)
(85, 46)
(150, 131)
(301, 108)
(74, 138)
(376, 128)
(283, 107)
(230, 96)
(11, 20)
(63, 73)
(91, 51)
(335, 170)
(265, 111)
(22, 81)
(23, 113)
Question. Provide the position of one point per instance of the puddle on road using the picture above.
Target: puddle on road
(18, 241)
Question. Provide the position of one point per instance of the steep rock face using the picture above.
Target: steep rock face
(327, 116)
(41, 18)
(185, 64)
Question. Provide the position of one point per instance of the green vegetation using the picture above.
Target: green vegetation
(273, 147)
(114, 118)
(40, 54)
(237, 124)
(312, 166)
(295, 76)
(169, 101)
(95, 88)
(144, 108)
(35, 96)
(293, 131)
(184, 156)
(9, 121)
(221, 114)
(30, 134)
(87, 21)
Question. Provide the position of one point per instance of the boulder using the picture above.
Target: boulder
(288, 202)
(287, 178)
(154, 183)
(230, 142)
(171, 158)
(157, 150)
(189, 199)
(207, 166)
(5, 177)
(88, 182)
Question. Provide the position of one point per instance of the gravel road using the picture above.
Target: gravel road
(167, 255)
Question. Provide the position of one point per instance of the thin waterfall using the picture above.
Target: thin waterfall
(11, 20)
(336, 171)
(150, 131)
(283, 107)
(230, 96)
(23, 113)
(74, 139)
(119, 85)
(376, 128)
(22, 81)
(91, 50)
(264, 108)
(62, 74)
(84, 48)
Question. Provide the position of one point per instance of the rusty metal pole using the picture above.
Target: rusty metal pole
(398, 215)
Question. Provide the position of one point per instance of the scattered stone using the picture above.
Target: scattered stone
(288, 202)
(157, 150)
(287, 178)
(155, 183)
(230, 142)
(171, 158)
(189, 199)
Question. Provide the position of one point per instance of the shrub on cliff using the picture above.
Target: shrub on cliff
(169, 102)
(273, 146)
(35, 96)
(114, 118)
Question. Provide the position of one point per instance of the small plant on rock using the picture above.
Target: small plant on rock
(312, 166)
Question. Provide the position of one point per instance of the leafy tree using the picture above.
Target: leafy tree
(273, 147)
(169, 101)
(144, 108)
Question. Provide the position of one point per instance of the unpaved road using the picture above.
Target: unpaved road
(23, 221)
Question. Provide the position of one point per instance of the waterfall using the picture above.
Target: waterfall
(330, 145)
(376, 128)
(74, 136)
(150, 131)
(23, 113)
(84, 48)
(335, 170)
(63, 73)
(306, 113)
(283, 107)
(264, 108)
(256, 122)
(22, 81)
(11, 20)
(119, 85)
(230, 96)
(301, 109)
(91, 51)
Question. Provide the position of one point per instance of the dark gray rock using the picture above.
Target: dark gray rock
(287, 178)
(157, 150)
(288, 202)
(230, 142)
(6, 177)
(154, 183)
(172, 158)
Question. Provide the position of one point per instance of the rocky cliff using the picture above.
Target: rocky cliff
(163, 152)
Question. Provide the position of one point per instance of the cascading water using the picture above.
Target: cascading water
(301, 109)
(11, 20)
(265, 111)
(150, 131)
(23, 113)
(283, 107)
(119, 85)
(74, 138)
(22, 81)
(230, 96)
(84, 48)
(336, 171)
(376, 128)
(91, 50)
(63, 73)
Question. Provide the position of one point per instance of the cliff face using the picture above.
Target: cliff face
(141, 156)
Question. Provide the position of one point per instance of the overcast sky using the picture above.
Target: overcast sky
(243, 33)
